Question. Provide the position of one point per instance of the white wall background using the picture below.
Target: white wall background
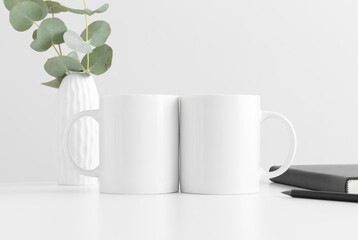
(300, 56)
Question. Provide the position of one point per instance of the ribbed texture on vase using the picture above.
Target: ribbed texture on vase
(78, 92)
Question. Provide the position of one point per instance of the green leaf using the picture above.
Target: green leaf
(35, 46)
(74, 55)
(89, 12)
(23, 14)
(43, 7)
(100, 59)
(55, 7)
(34, 35)
(101, 9)
(98, 33)
(75, 42)
(9, 4)
(58, 66)
(50, 32)
(54, 83)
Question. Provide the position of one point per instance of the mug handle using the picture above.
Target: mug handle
(293, 143)
(65, 141)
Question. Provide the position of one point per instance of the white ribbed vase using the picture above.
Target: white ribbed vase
(78, 92)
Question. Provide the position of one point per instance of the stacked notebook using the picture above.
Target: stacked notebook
(332, 178)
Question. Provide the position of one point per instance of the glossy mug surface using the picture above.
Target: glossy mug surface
(220, 144)
(139, 142)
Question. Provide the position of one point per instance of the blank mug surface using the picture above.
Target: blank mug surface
(220, 144)
(139, 144)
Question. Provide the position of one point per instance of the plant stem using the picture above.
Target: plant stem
(88, 59)
(59, 47)
(56, 50)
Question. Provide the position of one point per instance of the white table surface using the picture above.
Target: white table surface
(51, 212)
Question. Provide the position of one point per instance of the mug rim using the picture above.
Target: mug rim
(138, 95)
(221, 95)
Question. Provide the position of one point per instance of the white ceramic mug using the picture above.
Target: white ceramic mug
(138, 144)
(220, 144)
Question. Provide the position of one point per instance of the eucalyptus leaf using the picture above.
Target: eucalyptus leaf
(23, 14)
(100, 59)
(74, 55)
(54, 83)
(98, 33)
(35, 46)
(101, 9)
(43, 6)
(50, 32)
(89, 12)
(56, 7)
(75, 42)
(58, 66)
(84, 73)
(34, 35)
(9, 4)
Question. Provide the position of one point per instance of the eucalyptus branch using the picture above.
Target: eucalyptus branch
(51, 31)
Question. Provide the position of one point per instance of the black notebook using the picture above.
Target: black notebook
(333, 178)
